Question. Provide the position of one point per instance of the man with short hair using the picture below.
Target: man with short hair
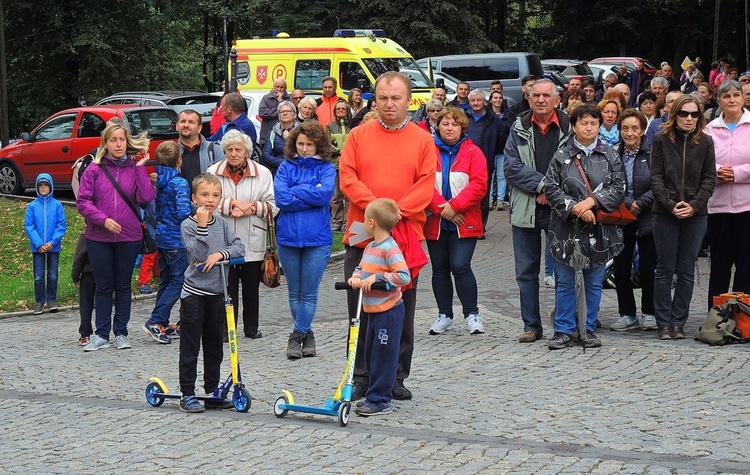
(624, 75)
(659, 87)
(635, 82)
(268, 108)
(197, 153)
(233, 107)
(496, 85)
(522, 106)
(658, 123)
(746, 94)
(406, 174)
(327, 101)
(625, 91)
(297, 96)
(534, 139)
(462, 97)
(609, 82)
(666, 73)
(421, 113)
(574, 84)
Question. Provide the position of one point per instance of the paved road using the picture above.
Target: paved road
(483, 404)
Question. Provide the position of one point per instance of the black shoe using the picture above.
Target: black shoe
(560, 341)
(358, 390)
(592, 341)
(308, 344)
(597, 323)
(294, 346)
(254, 335)
(399, 392)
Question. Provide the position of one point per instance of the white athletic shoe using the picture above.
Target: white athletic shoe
(475, 324)
(441, 325)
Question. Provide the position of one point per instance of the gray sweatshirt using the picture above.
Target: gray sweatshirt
(200, 242)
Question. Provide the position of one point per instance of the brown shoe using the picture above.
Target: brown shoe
(678, 333)
(664, 333)
(529, 337)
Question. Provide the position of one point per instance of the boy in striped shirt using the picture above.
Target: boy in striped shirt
(382, 261)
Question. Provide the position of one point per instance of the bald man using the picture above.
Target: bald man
(268, 108)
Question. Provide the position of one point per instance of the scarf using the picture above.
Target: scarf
(610, 137)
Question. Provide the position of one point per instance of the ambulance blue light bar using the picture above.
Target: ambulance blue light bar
(351, 33)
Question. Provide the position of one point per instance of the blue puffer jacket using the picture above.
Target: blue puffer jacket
(303, 188)
(45, 218)
(172, 207)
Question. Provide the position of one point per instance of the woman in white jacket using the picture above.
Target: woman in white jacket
(247, 191)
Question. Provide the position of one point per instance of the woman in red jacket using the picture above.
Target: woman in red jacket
(454, 219)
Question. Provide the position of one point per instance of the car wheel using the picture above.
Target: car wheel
(10, 179)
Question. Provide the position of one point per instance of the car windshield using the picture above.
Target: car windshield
(405, 65)
(203, 105)
(157, 122)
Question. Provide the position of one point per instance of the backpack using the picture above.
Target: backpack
(80, 166)
(720, 326)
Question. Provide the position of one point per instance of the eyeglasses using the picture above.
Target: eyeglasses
(287, 111)
(433, 110)
(685, 114)
(745, 79)
(297, 98)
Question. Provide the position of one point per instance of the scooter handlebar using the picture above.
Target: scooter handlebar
(234, 261)
(375, 286)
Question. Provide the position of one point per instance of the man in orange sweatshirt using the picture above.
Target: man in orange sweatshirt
(387, 158)
(327, 102)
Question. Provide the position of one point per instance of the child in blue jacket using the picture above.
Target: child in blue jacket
(45, 226)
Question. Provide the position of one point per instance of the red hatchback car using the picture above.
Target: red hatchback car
(54, 146)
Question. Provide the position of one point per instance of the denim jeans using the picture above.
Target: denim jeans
(113, 264)
(527, 252)
(303, 269)
(623, 268)
(497, 180)
(172, 265)
(45, 286)
(451, 255)
(678, 242)
(565, 297)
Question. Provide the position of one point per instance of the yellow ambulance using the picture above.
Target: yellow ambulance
(354, 57)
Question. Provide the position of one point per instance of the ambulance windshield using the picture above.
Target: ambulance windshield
(405, 65)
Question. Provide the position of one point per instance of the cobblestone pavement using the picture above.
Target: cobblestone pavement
(483, 403)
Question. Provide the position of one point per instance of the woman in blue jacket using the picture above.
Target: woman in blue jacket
(303, 186)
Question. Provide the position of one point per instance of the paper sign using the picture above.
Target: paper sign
(686, 62)
(358, 233)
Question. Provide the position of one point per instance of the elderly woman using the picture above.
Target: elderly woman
(455, 220)
(636, 160)
(304, 186)
(339, 130)
(610, 109)
(307, 108)
(573, 217)
(647, 106)
(729, 207)
(113, 227)
(682, 180)
(273, 149)
(433, 108)
(247, 200)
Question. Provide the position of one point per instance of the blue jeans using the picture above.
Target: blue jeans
(497, 181)
(678, 242)
(451, 255)
(565, 297)
(172, 265)
(527, 253)
(303, 269)
(45, 291)
(113, 264)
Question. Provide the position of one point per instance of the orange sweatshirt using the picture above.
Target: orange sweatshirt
(324, 110)
(381, 163)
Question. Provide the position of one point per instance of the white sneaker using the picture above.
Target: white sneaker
(96, 343)
(649, 322)
(625, 323)
(441, 325)
(475, 324)
(122, 342)
(549, 281)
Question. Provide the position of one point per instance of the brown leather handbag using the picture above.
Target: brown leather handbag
(622, 216)
(270, 270)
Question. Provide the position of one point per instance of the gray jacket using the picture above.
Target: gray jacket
(209, 152)
(565, 188)
(525, 183)
(268, 110)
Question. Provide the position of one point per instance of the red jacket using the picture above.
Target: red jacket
(468, 182)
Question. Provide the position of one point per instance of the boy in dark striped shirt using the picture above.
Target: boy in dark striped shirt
(382, 261)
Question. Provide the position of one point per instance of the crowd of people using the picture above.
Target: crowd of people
(674, 153)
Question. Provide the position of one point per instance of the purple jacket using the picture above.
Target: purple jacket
(98, 199)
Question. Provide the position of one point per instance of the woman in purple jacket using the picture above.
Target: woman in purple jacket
(113, 231)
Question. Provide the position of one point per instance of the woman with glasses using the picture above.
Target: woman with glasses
(433, 108)
(682, 179)
(339, 129)
(273, 149)
(729, 207)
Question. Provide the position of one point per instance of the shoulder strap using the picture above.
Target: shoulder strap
(583, 175)
(121, 193)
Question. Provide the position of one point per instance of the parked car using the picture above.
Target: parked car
(569, 67)
(601, 70)
(56, 143)
(561, 82)
(479, 70)
(629, 61)
(200, 101)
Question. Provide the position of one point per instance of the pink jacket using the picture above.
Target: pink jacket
(732, 149)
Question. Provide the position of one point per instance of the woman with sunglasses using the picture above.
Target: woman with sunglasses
(682, 179)
(433, 108)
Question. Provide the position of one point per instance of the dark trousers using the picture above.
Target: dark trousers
(406, 342)
(623, 267)
(202, 320)
(249, 274)
(86, 289)
(727, 238)
(677, 244)
(485, 203)
(451, 255)
(381, 352)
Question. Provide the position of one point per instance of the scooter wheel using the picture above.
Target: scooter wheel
(277, 410)
(344, 411)
(154, 395)
(241, 399)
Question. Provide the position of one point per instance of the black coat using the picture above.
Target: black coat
(641, 187)
(489, 133)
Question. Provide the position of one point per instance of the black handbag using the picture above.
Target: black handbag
(148, 245)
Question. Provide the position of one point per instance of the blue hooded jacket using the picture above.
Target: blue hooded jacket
(303, 187)
(172, 207)
(45, 218)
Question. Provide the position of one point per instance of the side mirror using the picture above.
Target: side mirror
(440, 82)
(364, 85)
(26, 137)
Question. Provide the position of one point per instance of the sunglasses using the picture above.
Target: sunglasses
(685, 114)
(433, 110)
(744, 80)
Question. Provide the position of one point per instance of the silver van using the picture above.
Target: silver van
(479, 70)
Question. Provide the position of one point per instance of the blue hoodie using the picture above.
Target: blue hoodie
(172, 207)
(45, 218)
